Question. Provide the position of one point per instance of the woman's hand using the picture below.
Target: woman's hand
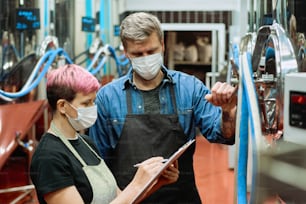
(150, 167)
(145, 172)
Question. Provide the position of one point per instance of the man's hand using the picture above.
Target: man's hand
(223, 95)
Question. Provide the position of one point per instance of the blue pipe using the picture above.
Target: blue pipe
(50, 57)
(242, 155)
(39, 78)
(118, 63)
(36, 69)
(243, 150)
(235, 53)
(101, 20)
(46, 17)
(95, 58)
(99, 67)
(124, 60)
(244, 131)
(121, 60)
(109, 18)
(253, 135)
(88, 13)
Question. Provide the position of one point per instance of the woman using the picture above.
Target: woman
(66, 167)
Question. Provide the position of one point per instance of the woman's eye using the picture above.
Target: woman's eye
(89, 104)
(86, 104)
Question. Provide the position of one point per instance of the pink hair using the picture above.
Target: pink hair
(74, 77)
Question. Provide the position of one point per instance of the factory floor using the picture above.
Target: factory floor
(214, 178)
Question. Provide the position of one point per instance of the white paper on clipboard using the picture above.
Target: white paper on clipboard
(170, 161)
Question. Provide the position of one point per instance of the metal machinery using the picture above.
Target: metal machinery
(35, 40)
(269, 76)
(273, 88)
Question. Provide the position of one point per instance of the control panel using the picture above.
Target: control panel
(295, 108)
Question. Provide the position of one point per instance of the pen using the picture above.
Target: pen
(138, 164)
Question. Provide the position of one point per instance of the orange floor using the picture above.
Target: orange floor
(214, 179)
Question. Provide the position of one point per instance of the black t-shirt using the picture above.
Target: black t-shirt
(151, 100)
(54, 167)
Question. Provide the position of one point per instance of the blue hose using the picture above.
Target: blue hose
(88, 13)
(46, 17)
(235, 48)
(119, 61)
(247, 108)
(50, 56)
(41, 61)
(243, 150)
(124, 60)
(253, 134)
(99, 67)
(95, 58)
(242, 164)
(40, 76)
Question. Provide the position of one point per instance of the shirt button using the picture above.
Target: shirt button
(139, 107)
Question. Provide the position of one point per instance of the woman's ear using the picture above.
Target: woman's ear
(61, 106)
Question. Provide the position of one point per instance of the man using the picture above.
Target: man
(153, 111)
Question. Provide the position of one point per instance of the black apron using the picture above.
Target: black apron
(147, 135)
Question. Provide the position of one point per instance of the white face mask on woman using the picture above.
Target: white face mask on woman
(86, 117)
(148, 66)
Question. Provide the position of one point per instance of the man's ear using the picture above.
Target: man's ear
(163, 46)
(125, 53)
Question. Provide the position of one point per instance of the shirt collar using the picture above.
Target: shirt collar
(128, 81)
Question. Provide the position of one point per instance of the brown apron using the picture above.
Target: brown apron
(147, 135)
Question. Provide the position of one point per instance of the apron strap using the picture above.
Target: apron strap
(93, 151)
(173, 98)
(67, 143)
(129, 99)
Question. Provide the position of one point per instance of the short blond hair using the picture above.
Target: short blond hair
(139, 26)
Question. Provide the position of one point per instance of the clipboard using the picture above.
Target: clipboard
(170, 161)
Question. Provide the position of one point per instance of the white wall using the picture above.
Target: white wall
(239, 8)
(181, 5)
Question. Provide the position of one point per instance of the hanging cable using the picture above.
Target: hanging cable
(36, 69)
(35, 83)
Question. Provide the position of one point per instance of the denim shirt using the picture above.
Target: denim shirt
(192, 108)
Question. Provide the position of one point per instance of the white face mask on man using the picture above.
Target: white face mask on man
(148, 66)
(86, 117)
